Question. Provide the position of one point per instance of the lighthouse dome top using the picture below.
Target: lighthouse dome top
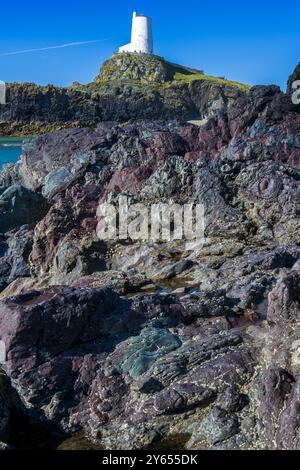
(141, 35)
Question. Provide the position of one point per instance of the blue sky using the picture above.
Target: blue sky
(257, 42)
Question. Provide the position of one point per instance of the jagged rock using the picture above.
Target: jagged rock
(118, 281)
(86, 325)
(61, 226)
(202, 342)
(175, 174)
(53, 160)
(20, 206)
(14, 260)
(10, 176)
(218, 426)
(144, 67)
(139, 353)
(129, 87)
(71, 319)
(56, 181)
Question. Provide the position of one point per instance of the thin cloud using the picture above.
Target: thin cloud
(60, 46)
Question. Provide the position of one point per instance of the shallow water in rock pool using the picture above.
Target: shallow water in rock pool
(10, 150)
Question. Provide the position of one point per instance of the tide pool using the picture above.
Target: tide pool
(10, 150)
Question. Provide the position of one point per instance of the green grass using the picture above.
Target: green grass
(200, 76)
(173, 72)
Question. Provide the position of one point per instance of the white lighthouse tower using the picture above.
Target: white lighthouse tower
(141, 35)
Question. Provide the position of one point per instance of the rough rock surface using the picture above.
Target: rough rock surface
(128, 87)
(20, 206)
(136, 342)
(15, 248)
(144, 67)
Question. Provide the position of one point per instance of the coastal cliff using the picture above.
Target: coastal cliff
(129, 87)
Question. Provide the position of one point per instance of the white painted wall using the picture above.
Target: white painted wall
(2, 92)
(141, 35)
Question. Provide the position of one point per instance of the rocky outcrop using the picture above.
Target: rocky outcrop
(134, 342)
(129, 87)
(20, 206)
(143, 67)
(15, 250)
(174, 358)
(154, 366)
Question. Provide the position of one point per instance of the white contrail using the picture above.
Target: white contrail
(61, 46)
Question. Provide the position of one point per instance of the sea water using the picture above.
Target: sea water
(10, 150)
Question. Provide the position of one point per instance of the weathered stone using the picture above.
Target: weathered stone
(20, 206)
(203, 343)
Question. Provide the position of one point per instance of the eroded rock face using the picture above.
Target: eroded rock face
(20, 206)
(173, 357)
(129, 87)
(275, 390)
(16, 248)
(144, 67)
(135, 341)
(56, 339)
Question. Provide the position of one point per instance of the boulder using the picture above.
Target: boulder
(20, 206)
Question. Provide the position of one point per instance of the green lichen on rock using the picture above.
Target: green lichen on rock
(142, 67)
(152, 69)
(140, 352)
(217, 80)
